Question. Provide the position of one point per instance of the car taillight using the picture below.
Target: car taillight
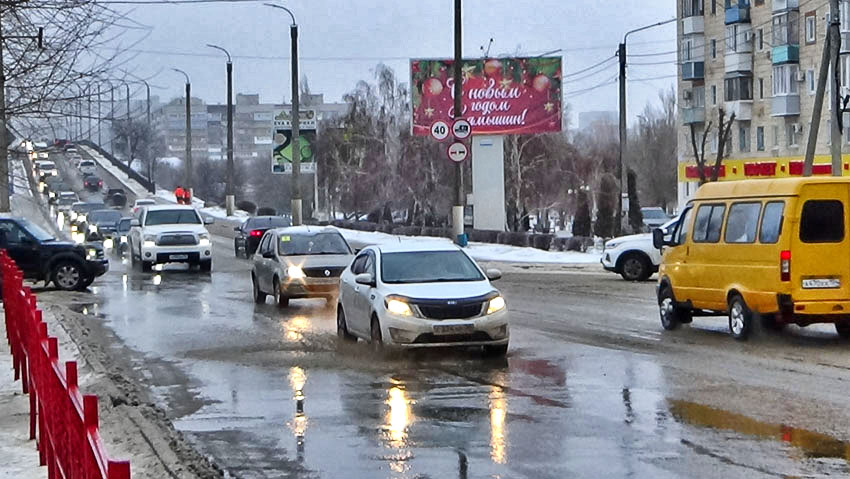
(785, 265)
(100, 183)
(256, 233)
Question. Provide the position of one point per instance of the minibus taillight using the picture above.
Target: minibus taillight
(785, 265)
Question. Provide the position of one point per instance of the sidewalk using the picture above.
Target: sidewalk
(18, 455)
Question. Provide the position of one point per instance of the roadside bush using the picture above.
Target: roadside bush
(483, 236)
(514, 238)
(579, 243)
(266, 211)
(365, 226)
(386, 228)
(542, 241)
(247, 206)
(407, 230)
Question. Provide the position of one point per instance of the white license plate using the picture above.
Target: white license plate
(821, 283)
(454, 329)
(178, 256)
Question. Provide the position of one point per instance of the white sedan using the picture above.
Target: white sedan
(421, 295)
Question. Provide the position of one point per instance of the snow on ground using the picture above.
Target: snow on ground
(20, 183)
(132, 185)
(481, 251)
(216, 212)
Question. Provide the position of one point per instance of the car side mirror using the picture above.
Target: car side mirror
(494, 274)
(658, 239)
(365, 279)
(209, 220)
(269, 255)
(135, 222)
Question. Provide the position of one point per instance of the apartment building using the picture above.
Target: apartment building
(758, 59)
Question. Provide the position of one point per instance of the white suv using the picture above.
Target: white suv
(170, 234)
(634, 257)
(88, 167)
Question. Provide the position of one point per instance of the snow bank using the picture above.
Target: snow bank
(481, 251)
(216, 212)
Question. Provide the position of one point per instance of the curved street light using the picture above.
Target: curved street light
(188, 130)
(229, 197)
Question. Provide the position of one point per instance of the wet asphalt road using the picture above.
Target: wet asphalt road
(591, 386)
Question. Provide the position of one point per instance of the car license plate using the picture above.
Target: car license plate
(178, 256)
(454, 329)
(821, 283)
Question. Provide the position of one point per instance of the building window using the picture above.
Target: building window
(761, 88)
(713, 7)
(785, 80)
(786, 29)
(731, 38)
(691, 8)
(760, 138)
(759, 3)
(744, 139)
(761, 38)
(738, 88)
(811, 28)
(713, 94)
(775, 136)
(713, 48)
(810, 81)
(714, 142)
(792, 132)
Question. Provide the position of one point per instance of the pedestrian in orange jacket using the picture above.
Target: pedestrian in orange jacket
(179, 192)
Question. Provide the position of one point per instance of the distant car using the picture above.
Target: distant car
(653, 216)
(92, 183)
(87, 167)
(142, 202)
(43, 169)
(634, 257)
(115, 197)
(102, 225)
(123, 234)
(299, 262)
(170, 234)
(421, 295)
(43, 155)
(65, 200)
(77, 217)
(249, 233)
(42, 257)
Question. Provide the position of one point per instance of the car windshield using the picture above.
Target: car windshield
(145, 202)
(124, 224)
(172, 217)
(87, 207)
(47, 166)
(428, 267)
(105, 216)
(268, 222)
(86, 163)
(654, 214)
(36, 231)
(321, 243)
(66, 200)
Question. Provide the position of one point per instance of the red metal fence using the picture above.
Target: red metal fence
(62, 419)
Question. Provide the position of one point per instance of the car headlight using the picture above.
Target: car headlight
(149, 244)
(91, 253)
(72, 215)
(612, 244)
(204, 239)
(52, 195)
(123, 239)
(82, 218)
(295, 272)
(496, 304)
(399, 307)
(93, 228)
(108, 243)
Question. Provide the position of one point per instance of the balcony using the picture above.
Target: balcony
(743, 109)
(693, 25)
(738, 62)
(785, 105)
(782, 5)
(693, 71)
(785, 54)
(738, 14)
(694, 114)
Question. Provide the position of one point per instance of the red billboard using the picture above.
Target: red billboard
(504, 96)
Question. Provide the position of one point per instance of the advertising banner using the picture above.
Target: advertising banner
(282, 141)
(504, 96)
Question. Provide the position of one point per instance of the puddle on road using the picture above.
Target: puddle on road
(812, 444)
(87, 309)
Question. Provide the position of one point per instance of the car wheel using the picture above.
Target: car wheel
(635, 267)
(740, 318)
(279, 299)
(68, 276)
(376, 339)
(672, 315)
(342, 327)
(497, 351)
(235, 249)
(259, 296)
(843, 329)
(206, 266)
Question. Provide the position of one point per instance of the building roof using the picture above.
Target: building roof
(762, 187)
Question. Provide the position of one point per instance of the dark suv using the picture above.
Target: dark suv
(42, 257)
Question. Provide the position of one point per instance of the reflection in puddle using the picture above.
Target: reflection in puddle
(812, 444)
(498, 413)
(298, 425)
(296, 327)
(398, 417)
(157, 279)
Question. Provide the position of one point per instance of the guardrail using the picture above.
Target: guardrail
(147, 184)
(62, 420)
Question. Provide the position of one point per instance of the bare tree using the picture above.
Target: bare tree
(723, 137)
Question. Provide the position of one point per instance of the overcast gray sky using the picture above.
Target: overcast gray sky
(341, 41)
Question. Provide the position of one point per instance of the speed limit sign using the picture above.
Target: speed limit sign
(440, 130)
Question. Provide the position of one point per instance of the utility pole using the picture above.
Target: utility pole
(5, 203)
(99, 119)
(457, 209)
(834, 48)
(88, 120)
(129, 133)
(229, 195)
(817, 108)
(189, 172)
(296, 122)
(112, 120)
(621, 53)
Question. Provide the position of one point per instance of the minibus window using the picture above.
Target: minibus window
(822, 221)
(708, 223)
(684, 224)
(742, 223)
(771, 222)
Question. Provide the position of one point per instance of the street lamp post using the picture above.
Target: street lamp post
(229, 193)
(128, 132)
(188, 132)
(296, 119)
